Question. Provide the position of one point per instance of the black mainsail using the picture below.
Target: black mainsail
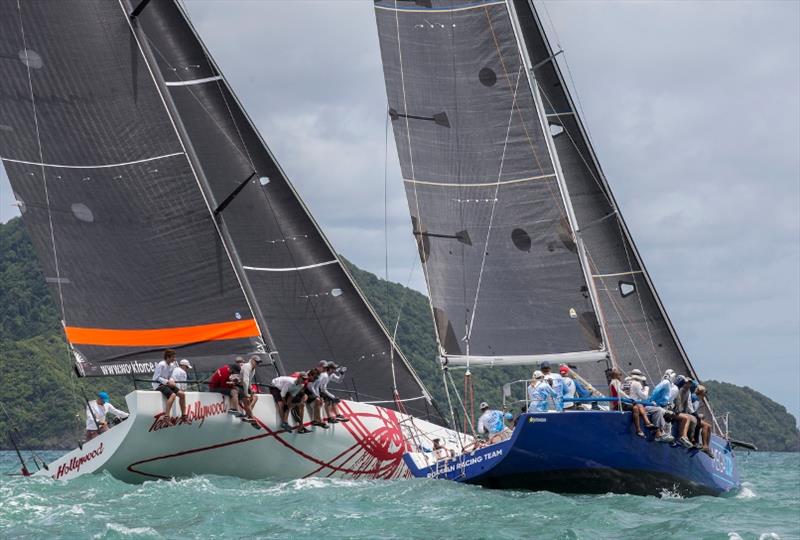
(159, 210)
(489, 214)
(463, 61)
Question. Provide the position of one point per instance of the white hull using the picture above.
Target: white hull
(144, 447)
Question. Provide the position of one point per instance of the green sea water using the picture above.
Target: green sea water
(99, 506)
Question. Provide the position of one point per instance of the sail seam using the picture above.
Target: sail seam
(191, 82)
(290, 269)
(480, 184)
(105, 166)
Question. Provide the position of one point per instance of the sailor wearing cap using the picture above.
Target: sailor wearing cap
(249, 386)
(638, 391)
(179, 373)
(331, 372)
(491, 423)
(567, 385)
(553, 379)
(96, 412)
(539, 391)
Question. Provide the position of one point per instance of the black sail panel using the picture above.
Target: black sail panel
(313, 311)
(639, 332)
(107, 193)
(501, 265)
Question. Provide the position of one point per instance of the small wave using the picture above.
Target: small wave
(128, 531)
(745, 492)
(769, 536)
(670, 493)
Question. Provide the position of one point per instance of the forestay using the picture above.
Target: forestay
(109, 197)
(498, 251)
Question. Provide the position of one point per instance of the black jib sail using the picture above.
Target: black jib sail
(108, 195)
(488, 211)
(311, 307)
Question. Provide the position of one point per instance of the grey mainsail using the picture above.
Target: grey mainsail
(125, 237)
(439, 59)
(498, 251)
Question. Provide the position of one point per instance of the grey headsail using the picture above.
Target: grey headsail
(638, 329)
(313, 310)
(122, 229)
(500, 260)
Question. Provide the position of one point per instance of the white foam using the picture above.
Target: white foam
(128, 531)
(745, 492)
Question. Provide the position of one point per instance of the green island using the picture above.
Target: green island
(46, 402)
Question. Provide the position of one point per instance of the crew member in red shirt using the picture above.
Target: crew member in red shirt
(225, 381)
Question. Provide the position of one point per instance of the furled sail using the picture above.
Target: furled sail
(109, 196)
(503, 270)
(638, 329)
(310, 306)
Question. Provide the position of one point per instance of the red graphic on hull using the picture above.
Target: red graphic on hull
(375, 453)
(196, 411)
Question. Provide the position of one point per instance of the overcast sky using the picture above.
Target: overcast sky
(694, 111)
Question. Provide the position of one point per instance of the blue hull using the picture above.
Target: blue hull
(589, 452)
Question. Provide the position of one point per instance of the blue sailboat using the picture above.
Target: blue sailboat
(525, 252)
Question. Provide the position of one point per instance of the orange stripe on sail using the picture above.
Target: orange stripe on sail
(162, 337)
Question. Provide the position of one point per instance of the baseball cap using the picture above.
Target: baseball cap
(240, 359)
(538, 374)
(563, 368)
(103, 396)
(185, 362)
(484, 405)
(637, 374)
(544, 364)
(323, 363)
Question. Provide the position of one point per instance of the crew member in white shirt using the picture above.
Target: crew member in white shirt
(287, 391)
(248, 398)
(180, 373)
(96, 412)
(163, 382)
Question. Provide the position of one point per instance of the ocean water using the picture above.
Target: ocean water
(99, 506)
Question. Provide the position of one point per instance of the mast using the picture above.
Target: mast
(573, 220)
(211, 203)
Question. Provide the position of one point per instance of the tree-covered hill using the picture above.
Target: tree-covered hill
(44, 398)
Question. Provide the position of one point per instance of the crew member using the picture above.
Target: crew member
(539, 391)
(248, 396)
(225, 381)
(333, 372)
(491, 424)
(568, 385)
(179, 374)
(288, 394)
(163, 382)
(97, 410)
